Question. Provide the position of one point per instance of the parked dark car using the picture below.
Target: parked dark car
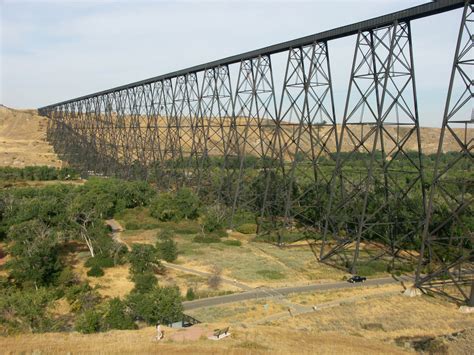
(356, 278)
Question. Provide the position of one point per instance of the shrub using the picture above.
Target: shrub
(214, 218)
(215, 279)
(132, 226)
(117, 316)
(167, 249)
(247, 228)
(190, 295)
(165, 234)
(100, 261)
(144, 282)
(233, 242)
(89, 322)
(95, 271)
(67, 278)
(82, 297)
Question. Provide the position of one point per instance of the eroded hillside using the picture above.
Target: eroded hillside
(23, 139)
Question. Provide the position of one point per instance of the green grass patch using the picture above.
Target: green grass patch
(247, 228)
(271, 274)
(232, 242)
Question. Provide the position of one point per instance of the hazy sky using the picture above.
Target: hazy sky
(56, 50)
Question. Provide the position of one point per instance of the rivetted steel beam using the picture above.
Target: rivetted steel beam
(413, 13)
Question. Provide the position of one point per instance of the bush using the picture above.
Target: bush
(247, 228)
(167, 250)
(82, 297)
(67, 278)
(95, 271)
(190, 295)
(100, 261)
(232, 242)
(165, 234)
(132, 226)
(117, 316)
(89, 322)
(214, 218)
(215, 279)
(144, 282)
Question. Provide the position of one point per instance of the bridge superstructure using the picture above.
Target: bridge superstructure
(226, 129)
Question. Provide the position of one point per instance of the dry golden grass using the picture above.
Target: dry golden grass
(23, 139)
(395, 316)
(257, 340)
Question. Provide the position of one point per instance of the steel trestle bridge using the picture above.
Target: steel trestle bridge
(360, 190)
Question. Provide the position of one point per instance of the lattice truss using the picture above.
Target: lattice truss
(306, 136)
(231, 136)
(446, 265)
(369, 189)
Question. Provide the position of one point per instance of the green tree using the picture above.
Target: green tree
(144, 282)
(27, 310)
(34, 247)
(167, 249)
(143, 258)
(162, 304)
(117, 315)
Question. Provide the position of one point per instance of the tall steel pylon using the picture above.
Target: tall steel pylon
(447, 251)
(368, 187)
(306, 133)
(255, 112)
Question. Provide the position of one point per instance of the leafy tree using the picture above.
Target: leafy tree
(26, 310)
(167, 249)
(162, 304)
(143, 258)
(182, 205)
(144, 282)
(118, 316)
(34, 247)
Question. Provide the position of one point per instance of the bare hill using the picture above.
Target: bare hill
(23, 139)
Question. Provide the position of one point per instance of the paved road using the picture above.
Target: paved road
(275, 292)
